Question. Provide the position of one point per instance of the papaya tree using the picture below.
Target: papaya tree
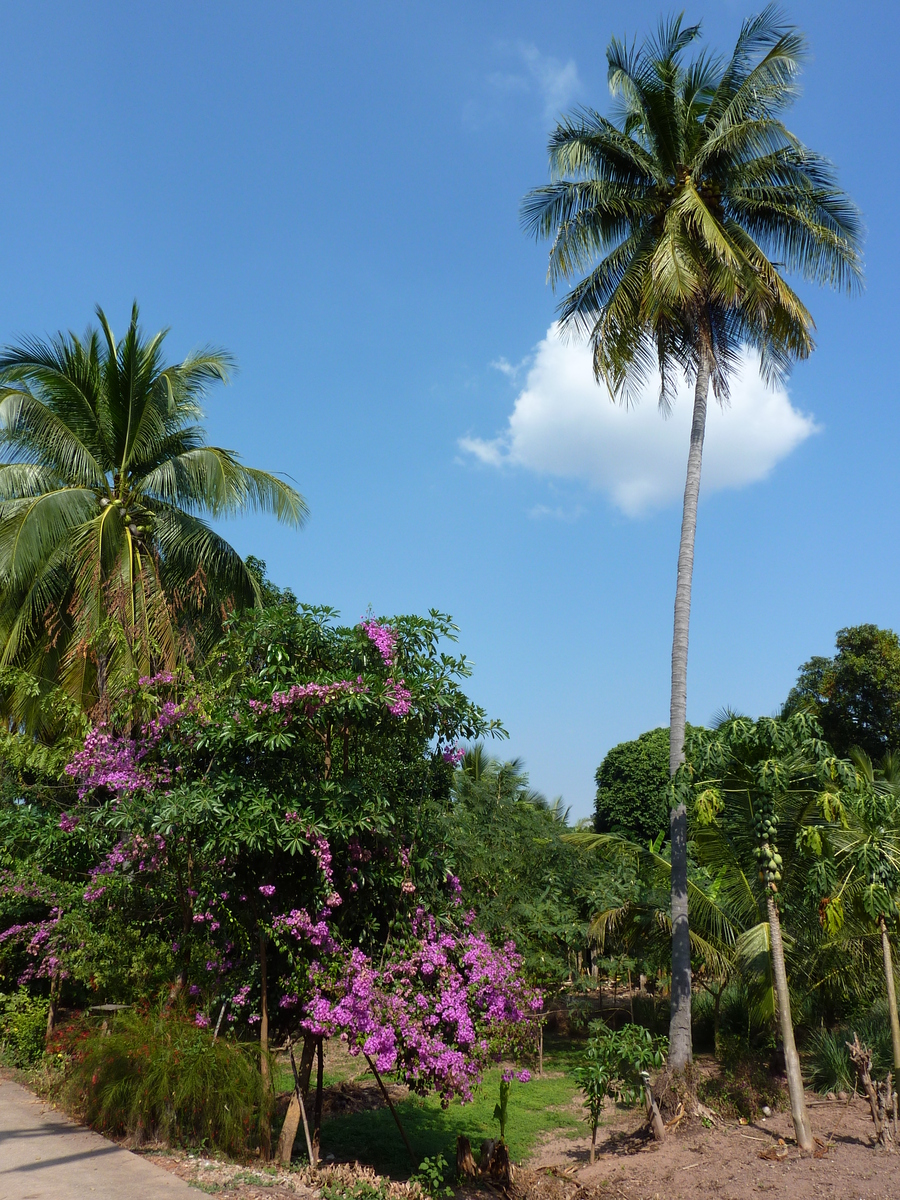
(763, 794)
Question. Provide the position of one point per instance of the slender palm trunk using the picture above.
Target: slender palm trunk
(891, 994)
(680, 1048)
(791, 1057)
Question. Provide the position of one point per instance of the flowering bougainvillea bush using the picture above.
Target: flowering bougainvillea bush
(442, 1006)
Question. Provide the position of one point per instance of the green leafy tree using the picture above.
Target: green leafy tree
(856, 694)
(298, 733)
(677, 217)
(633, 788)
(516, 869)
(613, 1067)
(764, 794)
(108, 570)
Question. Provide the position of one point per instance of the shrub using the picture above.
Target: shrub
(23, 1026)
(828, 1064)
(741, 1087)
(613, 1064)
(155, 1074)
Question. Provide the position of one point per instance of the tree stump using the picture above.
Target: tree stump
(466, 1167)
(882, 1098)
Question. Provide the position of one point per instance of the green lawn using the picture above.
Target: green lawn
(542, 1105)
(373, 1138)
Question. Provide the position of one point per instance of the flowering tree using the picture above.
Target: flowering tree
(296, 788)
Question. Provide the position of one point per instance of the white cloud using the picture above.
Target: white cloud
(507, 368)
(557, 83)
(564, 424)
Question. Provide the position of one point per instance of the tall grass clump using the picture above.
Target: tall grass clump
(828, 1065)
(155, 1075)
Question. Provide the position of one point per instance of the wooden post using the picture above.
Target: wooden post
(265, 1139)
(297, 1108)
(862, 1060)
(55, 984)
(219, 1022)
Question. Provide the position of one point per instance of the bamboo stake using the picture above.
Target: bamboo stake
(313, 1160)
(394, 1114)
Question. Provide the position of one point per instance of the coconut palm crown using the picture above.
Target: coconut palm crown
(107, 568)
(677, 217)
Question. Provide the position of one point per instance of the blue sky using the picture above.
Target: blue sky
(331, 192)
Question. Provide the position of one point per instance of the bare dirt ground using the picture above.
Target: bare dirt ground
(724, 1161)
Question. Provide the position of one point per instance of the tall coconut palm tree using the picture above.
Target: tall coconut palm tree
(107, 568)
(677, 217)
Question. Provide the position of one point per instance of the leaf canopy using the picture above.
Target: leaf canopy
(677, 215)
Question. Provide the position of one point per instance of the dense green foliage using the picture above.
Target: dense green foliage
(855, 694)
(195, 872)
(524, 881)
(23, 1026)
(633, 788)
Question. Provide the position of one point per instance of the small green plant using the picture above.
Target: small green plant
(360, 1189)
(500, 1110)
(432, 1176)
(23, 1026)
(612, 1066)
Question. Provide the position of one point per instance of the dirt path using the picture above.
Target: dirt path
(45, 1156)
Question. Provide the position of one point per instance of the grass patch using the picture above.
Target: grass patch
(373, 1138)
(154, 1074)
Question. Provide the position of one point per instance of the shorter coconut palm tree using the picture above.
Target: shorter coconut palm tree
(108, 570)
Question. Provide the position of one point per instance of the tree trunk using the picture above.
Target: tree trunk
(266, 1132)
(297, 1108)
(680, 1048)
(891, 994)
(320, 1095)
(55, 984)
(791, 1057)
